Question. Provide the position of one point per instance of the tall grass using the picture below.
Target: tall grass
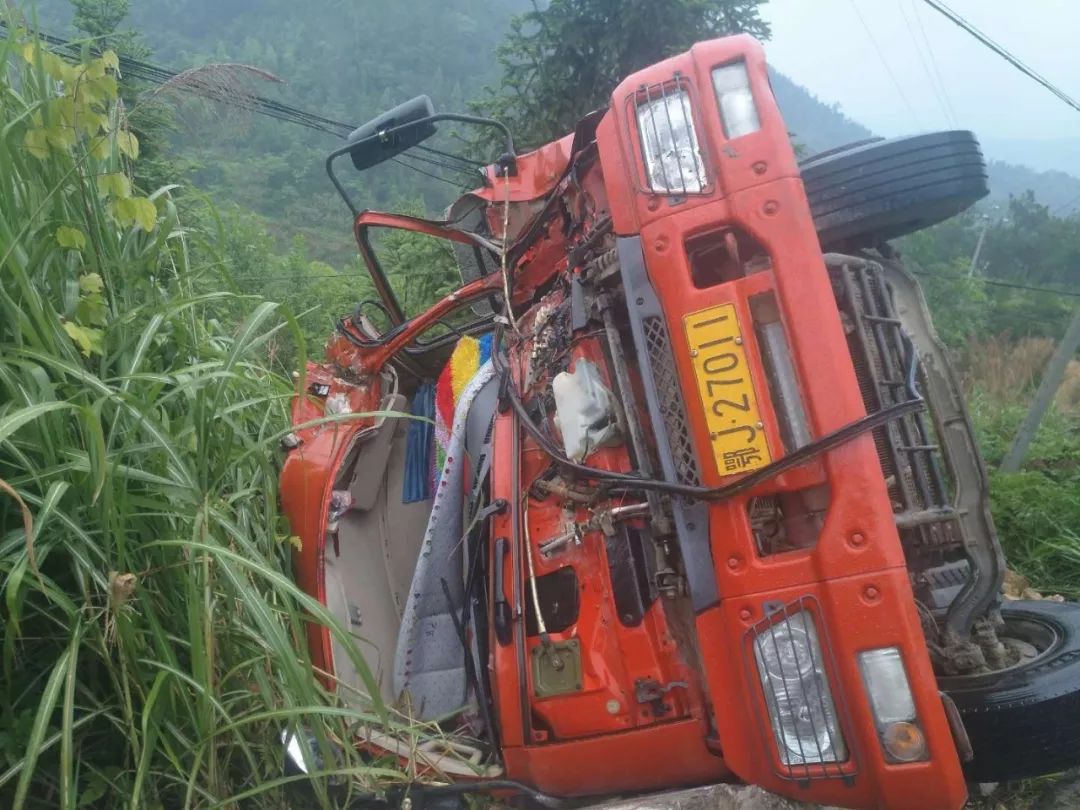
(1037, 510)
(152, 642)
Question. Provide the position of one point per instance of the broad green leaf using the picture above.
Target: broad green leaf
(91, 310)
(60, 136)
(89, 340)
(102, 89)
(73, 238)
(92, 122)
(37, 143)
(101, 147)
(138, 211)
(128, 143)
(91, 283)
(57, 68)
(115, 184)
(93, 791)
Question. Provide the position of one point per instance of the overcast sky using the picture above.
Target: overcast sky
(823, 45)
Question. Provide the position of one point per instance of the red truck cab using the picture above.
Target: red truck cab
(690, 560)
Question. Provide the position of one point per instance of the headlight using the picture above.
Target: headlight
(893, 705)
(737, 108)
(792, 671)
(669, 143)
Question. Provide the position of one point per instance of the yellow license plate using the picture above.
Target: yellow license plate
(727, 393)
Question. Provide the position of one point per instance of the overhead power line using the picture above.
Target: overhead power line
(154, 74)
(881, 56)
(463, 169)
(1001, 51)
(945, 109)
(933, 62)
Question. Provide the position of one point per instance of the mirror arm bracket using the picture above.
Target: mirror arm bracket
(505, 165)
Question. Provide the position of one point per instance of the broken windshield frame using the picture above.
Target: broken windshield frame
(369, 221)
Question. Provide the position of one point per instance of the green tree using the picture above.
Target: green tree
(100, 19)
(563, 60)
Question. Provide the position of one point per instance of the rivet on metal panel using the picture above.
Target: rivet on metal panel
(770, 208)
(857, 540)
(760, 167)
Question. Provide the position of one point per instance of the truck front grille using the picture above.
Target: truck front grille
(670, 400)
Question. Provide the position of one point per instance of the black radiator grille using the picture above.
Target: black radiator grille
(669, 396)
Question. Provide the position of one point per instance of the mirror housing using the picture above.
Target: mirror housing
(368, 148)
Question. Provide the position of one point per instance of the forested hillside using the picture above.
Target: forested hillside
(344, 60)
(348, 61)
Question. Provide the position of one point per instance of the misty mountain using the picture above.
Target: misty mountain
(1014, 166)
(349, 60)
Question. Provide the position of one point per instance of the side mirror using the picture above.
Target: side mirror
(389, 134)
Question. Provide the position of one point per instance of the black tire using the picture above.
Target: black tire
(863, 195)
(1025, 721)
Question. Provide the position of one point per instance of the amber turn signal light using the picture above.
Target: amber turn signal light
(904, 742)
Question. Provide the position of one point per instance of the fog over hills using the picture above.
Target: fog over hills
(351, 60)
(1051, 168)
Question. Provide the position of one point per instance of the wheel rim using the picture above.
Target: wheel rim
(1031, 637)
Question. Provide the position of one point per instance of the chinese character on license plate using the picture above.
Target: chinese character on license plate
(727, 392)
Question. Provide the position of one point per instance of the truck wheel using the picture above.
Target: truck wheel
(872, 191)
(1025, 721)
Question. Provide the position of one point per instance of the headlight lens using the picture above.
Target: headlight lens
(893, 704)
(792, 671)
(737, 108)
(672, 156)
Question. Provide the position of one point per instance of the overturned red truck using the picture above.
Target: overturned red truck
(705, 503)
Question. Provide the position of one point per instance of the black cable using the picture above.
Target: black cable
(888, 69)
(401, 162)
(956, 19)
(1007, 284)
(472, 164)
(155, 74)
(628, 482)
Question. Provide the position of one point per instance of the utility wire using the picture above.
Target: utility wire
(925, 65)
(260, 105)
(1007, 284)
(933, 62)
(1028, 71)
(881, 56)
